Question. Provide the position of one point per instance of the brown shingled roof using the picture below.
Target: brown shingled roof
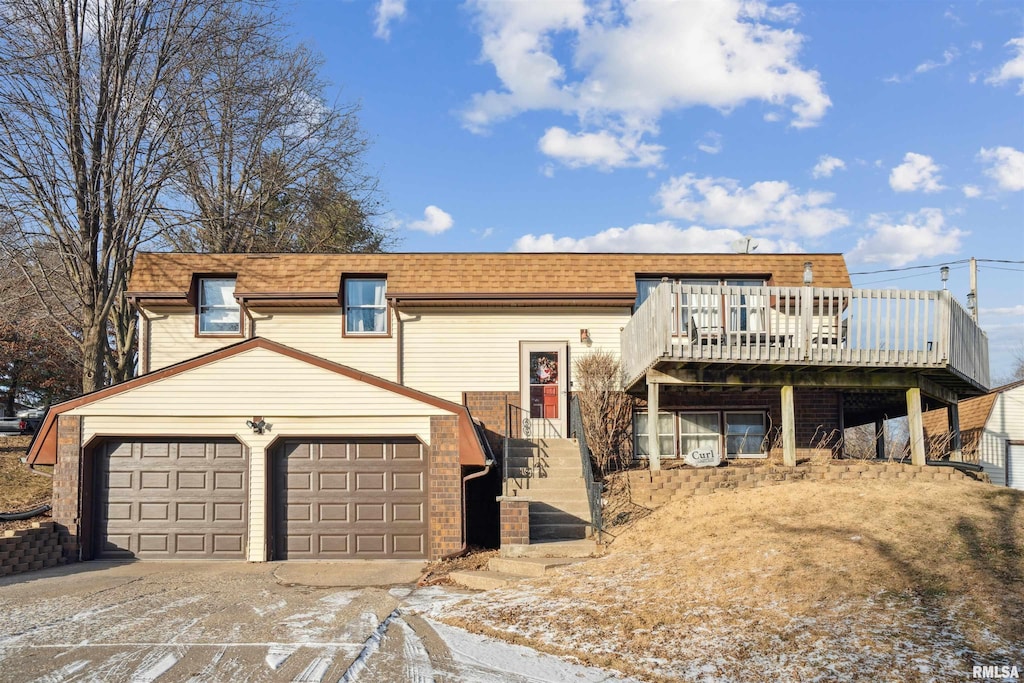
(974, 412)
(454, 274)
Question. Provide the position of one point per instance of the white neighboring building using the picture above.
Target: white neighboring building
(992, 428)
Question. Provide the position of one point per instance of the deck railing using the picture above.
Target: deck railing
(804, 326)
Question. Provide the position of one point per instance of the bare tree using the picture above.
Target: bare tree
(91, 95)
(268, 163)
(606, 411)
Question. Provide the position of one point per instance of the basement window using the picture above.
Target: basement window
(219, 312)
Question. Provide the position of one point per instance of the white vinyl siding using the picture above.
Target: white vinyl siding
(172, 337)
(1005, 423)
(259, 382)
(319, 331)
(448, 352)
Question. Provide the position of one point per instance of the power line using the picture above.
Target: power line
(906, 268)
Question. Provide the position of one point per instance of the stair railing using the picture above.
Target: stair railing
(594, 488)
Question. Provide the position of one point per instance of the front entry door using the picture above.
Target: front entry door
(543, 388)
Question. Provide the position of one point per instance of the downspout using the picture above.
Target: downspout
(399, 344)
(488, 464)
(465, 539)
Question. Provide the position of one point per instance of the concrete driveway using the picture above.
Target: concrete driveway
(227, 621)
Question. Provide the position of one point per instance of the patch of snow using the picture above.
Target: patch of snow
(485, 660)
(314, 673)
(278, 654)
(151, 672)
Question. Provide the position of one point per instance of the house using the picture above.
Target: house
(357, 406)
(991, 433)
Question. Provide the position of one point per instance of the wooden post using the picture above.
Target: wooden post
(653, 442)
(915, 426)
(880, 439)
(956, 452)
(788, 428)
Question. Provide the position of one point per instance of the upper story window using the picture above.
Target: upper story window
(366, 306)
(219, 313)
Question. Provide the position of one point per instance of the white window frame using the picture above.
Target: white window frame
(640, 442)
(717, 434)
(204, 308)
(383, 308)
(725, 433)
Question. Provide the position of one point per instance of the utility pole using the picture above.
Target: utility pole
(972, 296)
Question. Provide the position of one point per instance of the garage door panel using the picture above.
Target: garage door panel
(367, 502)
(161, 499)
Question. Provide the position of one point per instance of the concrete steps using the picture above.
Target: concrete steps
(503, 572)
(553, 549)
(549, 474)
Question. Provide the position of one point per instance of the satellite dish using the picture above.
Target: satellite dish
(745, 245)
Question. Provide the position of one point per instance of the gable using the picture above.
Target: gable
(260, 381)
(253, 377)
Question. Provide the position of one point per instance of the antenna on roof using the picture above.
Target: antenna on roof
(745, 245)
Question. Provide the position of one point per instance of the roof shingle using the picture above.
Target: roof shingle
(421, 274)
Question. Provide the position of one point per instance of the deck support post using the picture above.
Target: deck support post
(788, 428)
(956, 446)
(916, 426)
(880, 439)
(653, 442)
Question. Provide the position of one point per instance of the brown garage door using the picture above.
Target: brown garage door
(354, 499)
(182, 499)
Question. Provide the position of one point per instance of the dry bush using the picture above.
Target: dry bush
(606, 411)
(860, 440)
(940, 446)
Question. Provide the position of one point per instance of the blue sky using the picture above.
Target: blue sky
(892, 132)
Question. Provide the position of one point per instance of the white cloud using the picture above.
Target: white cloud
(710, 142)
(435, 221)
(387, 12)
(602, 149)
(826, 166)
(772, 206)
(1006, 310)
(1007, 167)
(917, 172)
(1013, 69)
(971, 191)
(620, 66)
(948, 56)
(896, 243)
(548, 170)
(650, 237)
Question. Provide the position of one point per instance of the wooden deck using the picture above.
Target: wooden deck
(807, 327)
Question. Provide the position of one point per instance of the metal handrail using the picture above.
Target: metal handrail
(594, 488)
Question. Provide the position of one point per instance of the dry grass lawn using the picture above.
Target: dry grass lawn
(20, 488)
(861, 580)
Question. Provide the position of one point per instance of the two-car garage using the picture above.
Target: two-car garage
(328, 499)
(259, 452)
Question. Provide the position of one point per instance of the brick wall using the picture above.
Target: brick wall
(445, 486)
(515, 522)
(653, 489)
(491, 408)
(27, 550)
(67, 487)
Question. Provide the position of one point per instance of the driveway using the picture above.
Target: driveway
(227, 621)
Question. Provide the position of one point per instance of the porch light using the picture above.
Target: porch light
(808, 272)
(585, 337)
(944, 274)
(257, 425)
